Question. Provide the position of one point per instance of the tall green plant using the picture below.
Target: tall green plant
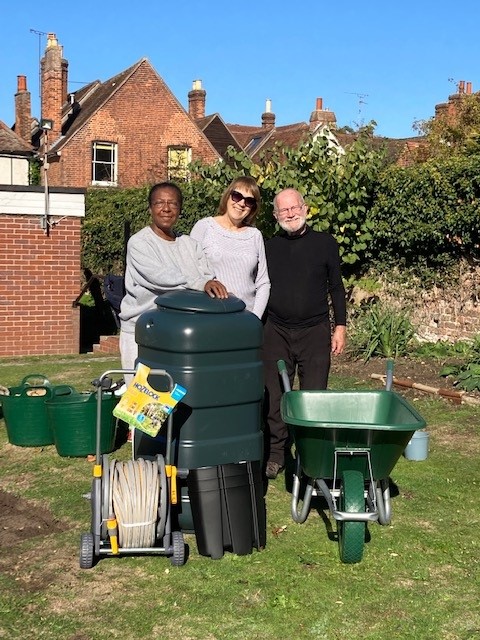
(34, 171)
(379, 330)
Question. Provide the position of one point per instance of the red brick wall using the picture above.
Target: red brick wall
(449, 313)
(144, 119)
(39, 279)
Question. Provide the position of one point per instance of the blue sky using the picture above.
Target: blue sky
(370, 60)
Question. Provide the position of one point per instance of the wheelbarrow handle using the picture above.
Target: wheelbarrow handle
(282, 370)
(40, 380)
(389, 376)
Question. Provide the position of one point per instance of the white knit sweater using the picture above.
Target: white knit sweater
(237, 259)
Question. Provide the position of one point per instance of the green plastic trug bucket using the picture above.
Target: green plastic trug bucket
(25, 413)
(74, 423)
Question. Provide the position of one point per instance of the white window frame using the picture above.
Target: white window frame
(113, 163)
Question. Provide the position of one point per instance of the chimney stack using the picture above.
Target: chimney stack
(469, 88)
(461, 86)
(54, 76)
(196, 100)
(322, 116)
(268, 118)
(23, 110)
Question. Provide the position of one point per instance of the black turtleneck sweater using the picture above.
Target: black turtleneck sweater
(303, 270)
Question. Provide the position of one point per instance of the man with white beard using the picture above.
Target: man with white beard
(304, 269)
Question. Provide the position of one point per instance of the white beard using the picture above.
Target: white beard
(293, 226)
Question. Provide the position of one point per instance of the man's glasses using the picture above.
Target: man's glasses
(295, 209)
(250, 202)
(161, 204)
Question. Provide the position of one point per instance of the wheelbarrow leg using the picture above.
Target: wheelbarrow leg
(300, 516)
(383, 501)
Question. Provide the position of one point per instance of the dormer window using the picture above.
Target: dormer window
(104, 164)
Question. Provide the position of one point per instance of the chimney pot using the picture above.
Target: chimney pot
(319, 104)
(268, 118)
(21, 83)
(461, 86)
(469, 88)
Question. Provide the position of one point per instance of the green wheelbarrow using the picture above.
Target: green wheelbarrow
(346, 445)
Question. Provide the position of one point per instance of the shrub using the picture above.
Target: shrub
(467, 375)
(427, 217)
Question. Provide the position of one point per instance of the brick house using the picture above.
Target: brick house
(14, 157)
(127, 131)
(255, 140)
(39, 254)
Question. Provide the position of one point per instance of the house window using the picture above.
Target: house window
(104, 163)
(178, 160)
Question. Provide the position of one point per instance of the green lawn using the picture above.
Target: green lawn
(419, 577)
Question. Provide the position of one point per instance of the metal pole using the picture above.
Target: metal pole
(45, 224)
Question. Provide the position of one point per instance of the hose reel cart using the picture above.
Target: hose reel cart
(132, 502)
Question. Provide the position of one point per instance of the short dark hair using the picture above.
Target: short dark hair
(165, 185)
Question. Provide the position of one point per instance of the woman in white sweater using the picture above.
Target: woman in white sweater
(234, 247)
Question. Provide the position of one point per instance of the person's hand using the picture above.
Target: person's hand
(215, 289)
(339, 339)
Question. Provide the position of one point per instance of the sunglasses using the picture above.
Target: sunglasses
(250, 202)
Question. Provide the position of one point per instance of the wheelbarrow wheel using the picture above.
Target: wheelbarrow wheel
(178, 544)
(351, 535)
(87, 548)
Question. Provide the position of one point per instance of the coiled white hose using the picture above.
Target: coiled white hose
(134, 499)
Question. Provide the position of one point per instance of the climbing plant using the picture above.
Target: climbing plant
(337, 185)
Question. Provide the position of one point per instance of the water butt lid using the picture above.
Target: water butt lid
(198, 302)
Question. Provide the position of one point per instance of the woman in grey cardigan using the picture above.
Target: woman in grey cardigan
(159, 260)
(234, 248)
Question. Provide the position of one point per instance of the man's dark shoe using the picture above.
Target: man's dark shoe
(273, 469)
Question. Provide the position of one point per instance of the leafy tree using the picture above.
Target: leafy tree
(336, 184)
(455, 131)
